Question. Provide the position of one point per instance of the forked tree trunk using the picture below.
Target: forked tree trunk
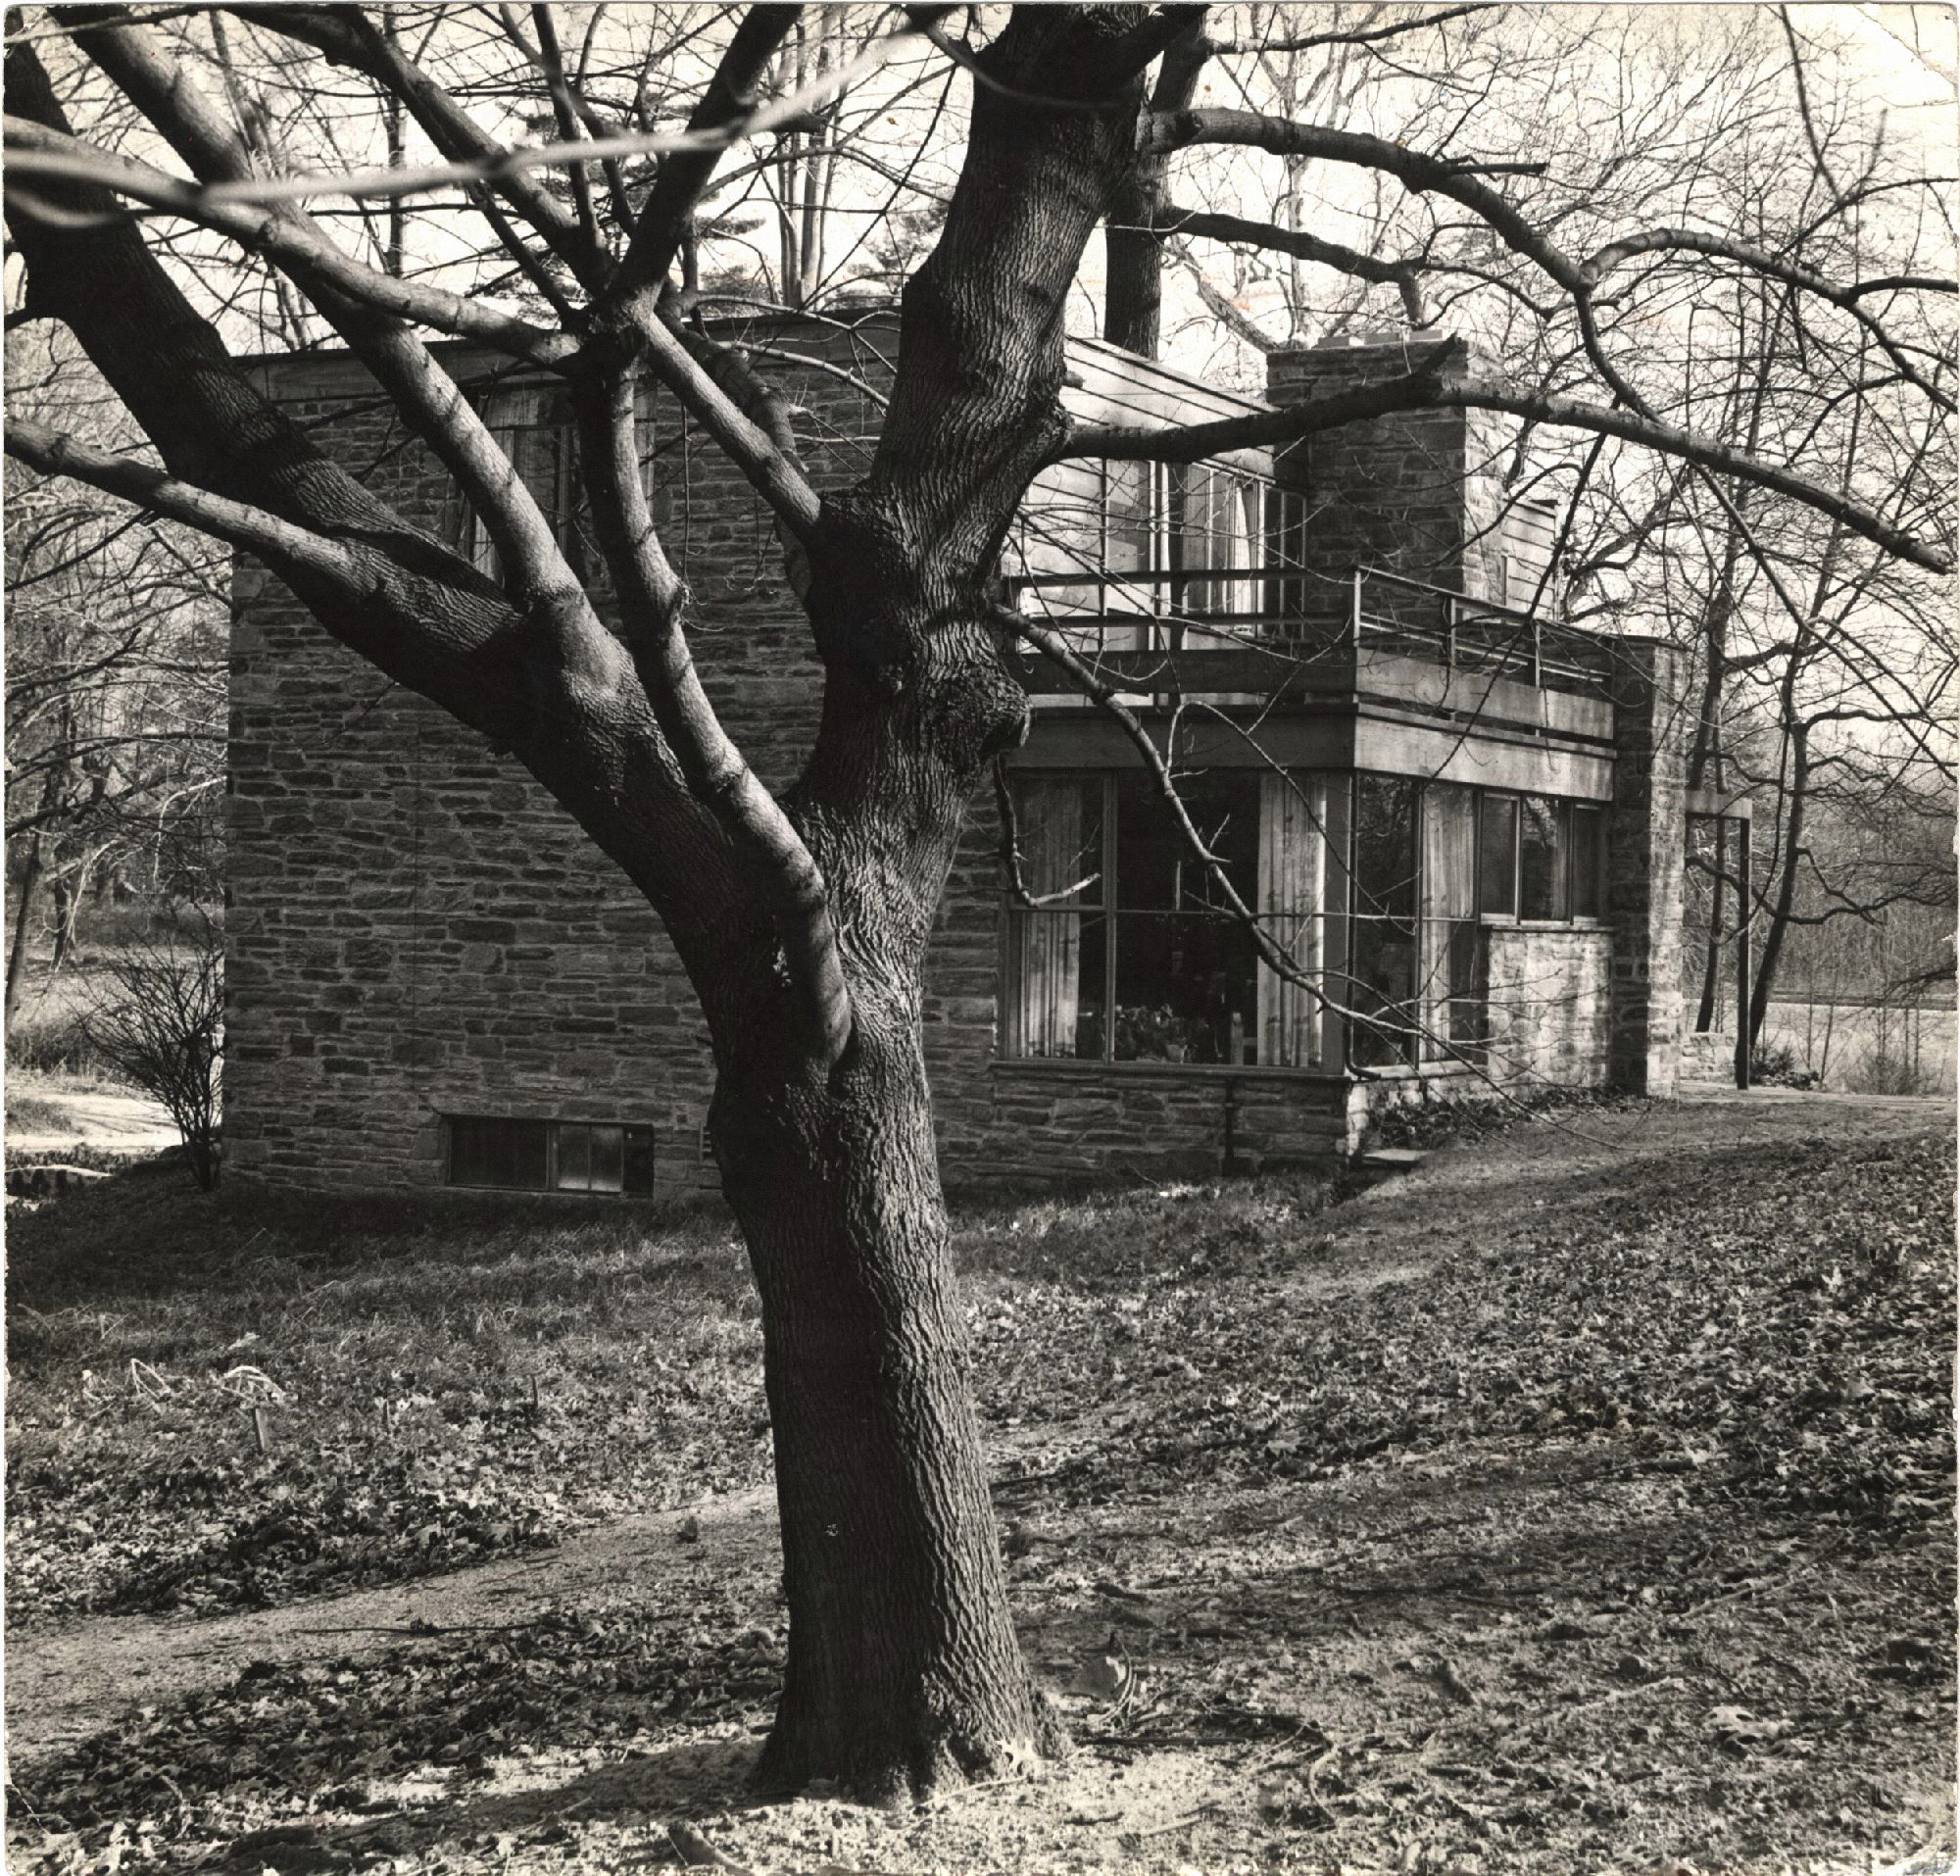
(904, 1670)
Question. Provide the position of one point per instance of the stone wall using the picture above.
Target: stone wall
(1647, 832)
(1550, 1015)
(414, 928)
(1061, 1124)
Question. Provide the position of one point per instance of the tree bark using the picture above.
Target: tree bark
(904, 1671)
(22, 909)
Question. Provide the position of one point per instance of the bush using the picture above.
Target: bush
(158, 1021)
(1777, 1067)
(1889, 1072)
(55, 1044)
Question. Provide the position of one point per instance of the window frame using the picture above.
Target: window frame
(1108, 906)
(1159, 534)
(637, 1138)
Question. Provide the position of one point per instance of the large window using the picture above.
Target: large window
(1379, 890)
(1127, 949)
(550, 1155)
(1175, 543)
(1543, 858)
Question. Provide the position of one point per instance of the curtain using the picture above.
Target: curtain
(1293, 895)
(1237, 538)
(1046, 948)
(1449, 914)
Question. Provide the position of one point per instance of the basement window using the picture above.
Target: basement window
(550, 1155)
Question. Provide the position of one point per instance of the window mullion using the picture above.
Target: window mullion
(1110, 891)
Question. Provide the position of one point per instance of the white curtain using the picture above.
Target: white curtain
(1045, 946)
(1293, 895)
(1448, 906)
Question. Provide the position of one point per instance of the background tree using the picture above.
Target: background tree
(802, 920)
(115, 687)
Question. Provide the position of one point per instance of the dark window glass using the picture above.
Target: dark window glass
(1385, 961)
(536, 1155)
(640, 1159)
(1542, 858)
(1588, 862)
(1155, 871)
(508, 1154)
(1187, 972)
(1384, 846)
(1498, 856)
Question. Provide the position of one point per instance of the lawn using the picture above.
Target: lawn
(1581, 1503)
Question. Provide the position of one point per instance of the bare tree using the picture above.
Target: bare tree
(802, 920)
(115, 677)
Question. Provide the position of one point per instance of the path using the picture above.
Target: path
(65, 1683)
(99, 1117)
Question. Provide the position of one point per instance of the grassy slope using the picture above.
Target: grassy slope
(1565, 1502)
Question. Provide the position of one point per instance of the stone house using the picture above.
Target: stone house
(1463, 824)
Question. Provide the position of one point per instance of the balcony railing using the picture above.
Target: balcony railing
(1293, 614)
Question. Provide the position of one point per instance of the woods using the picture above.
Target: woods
(144, 167)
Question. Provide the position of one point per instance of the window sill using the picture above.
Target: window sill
(1500, 921)
(1085, 1068)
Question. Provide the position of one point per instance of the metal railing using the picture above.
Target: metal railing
(1180, 609)
(1471, 634)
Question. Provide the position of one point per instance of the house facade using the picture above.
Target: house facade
(1459, 826)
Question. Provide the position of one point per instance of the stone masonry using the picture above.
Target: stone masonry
(416, 931)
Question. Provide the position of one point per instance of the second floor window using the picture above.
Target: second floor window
(533, 424)
(1169, 546)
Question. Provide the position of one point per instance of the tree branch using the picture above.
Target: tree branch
(281, 544)
(348, 39)
(1432, 389)
(160, 87)
(1402, 275)
(683, 176)
(34, 152)
(1361, 36)
(771, 850)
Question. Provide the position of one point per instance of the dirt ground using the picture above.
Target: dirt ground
(105, 1118)
(1555, 1653)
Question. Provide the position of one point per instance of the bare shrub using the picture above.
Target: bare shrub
(158, 1021)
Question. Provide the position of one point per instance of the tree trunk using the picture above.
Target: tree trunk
(24, 910)
(1711, 962)
(1133, 297)
(904, 1670)
(1787, 863)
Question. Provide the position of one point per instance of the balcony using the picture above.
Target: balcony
(1273, 632)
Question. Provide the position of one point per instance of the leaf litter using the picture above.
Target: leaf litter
(1593, 1518)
